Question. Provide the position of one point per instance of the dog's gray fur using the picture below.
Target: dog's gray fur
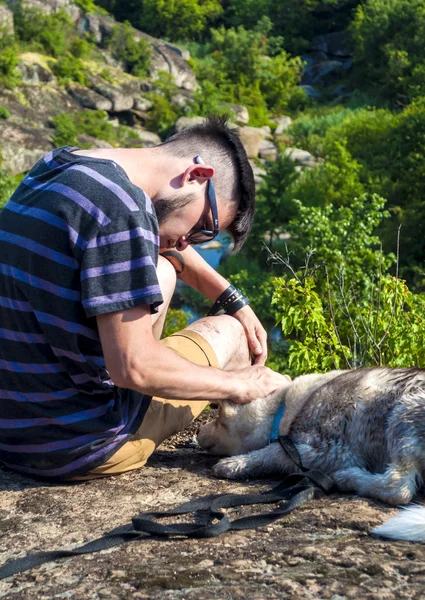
(365, 428)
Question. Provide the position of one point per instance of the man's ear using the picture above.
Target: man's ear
(197, 173)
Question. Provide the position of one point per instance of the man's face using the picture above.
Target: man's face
(179, 214)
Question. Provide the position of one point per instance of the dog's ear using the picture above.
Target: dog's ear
(227, 408)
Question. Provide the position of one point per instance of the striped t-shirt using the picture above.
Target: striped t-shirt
(77, 239)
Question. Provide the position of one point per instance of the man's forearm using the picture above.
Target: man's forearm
(162, 372)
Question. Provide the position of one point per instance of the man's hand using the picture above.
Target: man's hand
(257, 382)
(255, 333)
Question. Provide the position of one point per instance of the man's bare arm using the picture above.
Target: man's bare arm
(136, 360)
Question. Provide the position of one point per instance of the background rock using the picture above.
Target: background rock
(89, 98)
(22, 147)
(6, 19)
(336, 43)
(251, 138)
(49, 6)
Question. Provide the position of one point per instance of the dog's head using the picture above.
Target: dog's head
(240, 428)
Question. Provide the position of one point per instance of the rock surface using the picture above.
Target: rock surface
(322, 550)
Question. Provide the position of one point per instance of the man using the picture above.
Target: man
(84, 294)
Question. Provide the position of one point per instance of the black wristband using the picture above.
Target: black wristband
(217, 306)
(229, 302)
(236, 305)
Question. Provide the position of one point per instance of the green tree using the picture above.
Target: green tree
(134, 53)
(50, 33)
(389, 52)
(9, 60)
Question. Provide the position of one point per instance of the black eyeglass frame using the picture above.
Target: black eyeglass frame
(207, 234)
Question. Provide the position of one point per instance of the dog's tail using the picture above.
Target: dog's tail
(408, 524)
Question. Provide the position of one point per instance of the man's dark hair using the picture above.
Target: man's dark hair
(219, 145)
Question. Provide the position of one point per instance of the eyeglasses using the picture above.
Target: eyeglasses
(199, 236)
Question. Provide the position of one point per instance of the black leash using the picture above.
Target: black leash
(293, 492)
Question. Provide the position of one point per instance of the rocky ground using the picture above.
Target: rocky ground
(322, 550)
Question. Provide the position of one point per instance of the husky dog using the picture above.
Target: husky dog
(365, 428)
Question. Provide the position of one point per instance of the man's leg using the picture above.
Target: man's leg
(212, 341)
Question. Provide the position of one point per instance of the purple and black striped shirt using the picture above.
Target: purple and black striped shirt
(77, 239)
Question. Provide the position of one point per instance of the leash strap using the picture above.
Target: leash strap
(293, 492)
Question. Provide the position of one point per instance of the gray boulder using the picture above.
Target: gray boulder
(335, 44)
(283, 123)
(186, 122)
(93, 142)
(147, 138)
(142, 104)
(89, 98)
(310, 91)
(251, 138)
(301, 157)
(121, 95)
(6, 19)
(98, 26)
(182, 100)
(22, 146)
(165, 56)
(239, 113)
(34, 73)
(267, 150)
(323, 73)
(49, 6)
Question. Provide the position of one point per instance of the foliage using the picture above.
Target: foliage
(8, 184)
(164, 113)
(236, 64)
(176, 320)
(10, 77)
(4, 113)
(170, 19)
(389, 52)
(274, 204)
(342, 238)
(341, 308)
(90, 122)
(81, 48)
(89, 6)
(68, 68)
(343, 332)
(134, 53)
(49, 33)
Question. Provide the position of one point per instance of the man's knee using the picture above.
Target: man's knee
(227, 337)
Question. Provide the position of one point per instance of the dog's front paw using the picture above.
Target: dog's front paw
(234, 467)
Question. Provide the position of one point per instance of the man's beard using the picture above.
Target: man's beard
(165, 207)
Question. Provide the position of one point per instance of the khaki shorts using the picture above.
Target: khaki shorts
(164, 417)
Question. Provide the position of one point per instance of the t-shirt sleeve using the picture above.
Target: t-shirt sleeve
(118, 269)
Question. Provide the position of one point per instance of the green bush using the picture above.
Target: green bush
(164, 113)
(8, 184)
(389, 51)
(49, 33)
(341, 307)
(68, 69)
(90, 122)
(134, 53)
(4, 113)
(170, 19)
(236, 62)
(10, 77)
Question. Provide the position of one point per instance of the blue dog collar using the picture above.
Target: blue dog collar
(276, 422)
